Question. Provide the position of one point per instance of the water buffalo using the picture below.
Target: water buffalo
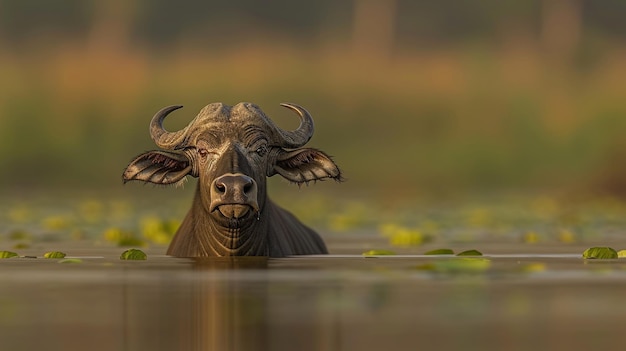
(231, 150)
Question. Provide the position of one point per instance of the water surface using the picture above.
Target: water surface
(531, 290)
(340, 302)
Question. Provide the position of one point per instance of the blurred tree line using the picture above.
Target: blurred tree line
(421, 24)
(413, 97)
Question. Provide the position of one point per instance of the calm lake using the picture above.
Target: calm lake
(520, 295)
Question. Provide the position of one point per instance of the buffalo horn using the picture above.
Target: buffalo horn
(300, 136)
(161, 137)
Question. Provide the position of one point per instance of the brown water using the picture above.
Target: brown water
(537, 300)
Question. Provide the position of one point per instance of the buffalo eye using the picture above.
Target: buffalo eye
(203, 153)
(261, 151)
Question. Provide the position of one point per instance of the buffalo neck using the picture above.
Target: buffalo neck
(249, 238)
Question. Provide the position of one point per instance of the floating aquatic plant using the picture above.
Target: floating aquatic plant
(601, 253)
(133, 254)
(54, 254)
(378, 253)
(439, 252)
(470, 253)
(7, 254)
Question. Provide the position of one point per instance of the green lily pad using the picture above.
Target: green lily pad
(133, 254)
(71, 260)
(440, 252)
(54, 254)
(470, 253)
(621, 253)
(8, 254)
(378, 253)
(601, 253)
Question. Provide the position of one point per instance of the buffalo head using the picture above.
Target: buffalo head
(231, 150)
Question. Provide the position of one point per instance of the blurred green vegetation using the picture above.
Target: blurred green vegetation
(144, 219)
(413, 99)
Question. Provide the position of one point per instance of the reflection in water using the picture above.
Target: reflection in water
(233, 308)
(244, 309)
(304, 304)
(165, 304)
(229, 313)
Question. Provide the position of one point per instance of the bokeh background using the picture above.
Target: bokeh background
(495, 125)
(415, 99)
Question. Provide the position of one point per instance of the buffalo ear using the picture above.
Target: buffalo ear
(305, 165)
(158, 167)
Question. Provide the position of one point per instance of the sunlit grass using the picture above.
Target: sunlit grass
(467, 119)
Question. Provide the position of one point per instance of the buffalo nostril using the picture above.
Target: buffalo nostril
(234, 185)
(220, 187)
(247, 188)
